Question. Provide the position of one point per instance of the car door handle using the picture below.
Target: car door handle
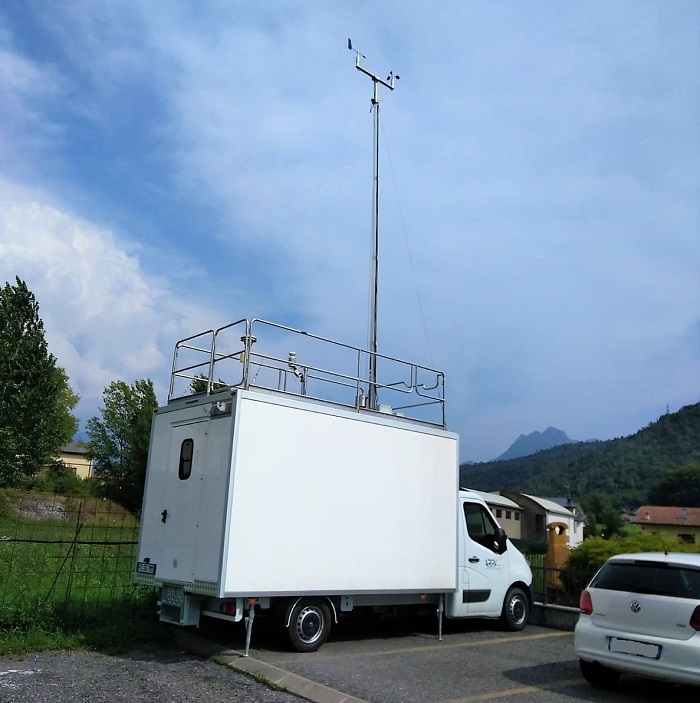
(473, 560)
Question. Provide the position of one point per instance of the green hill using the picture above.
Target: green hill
(623, 468)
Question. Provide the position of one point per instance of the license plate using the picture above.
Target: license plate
(145, 567)
(639, 649)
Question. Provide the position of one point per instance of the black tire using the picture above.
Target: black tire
(598, 675)
(516, 609)
(309, 625)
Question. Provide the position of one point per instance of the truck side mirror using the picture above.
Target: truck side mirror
(500, 541)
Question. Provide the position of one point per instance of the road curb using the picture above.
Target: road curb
(273, 675)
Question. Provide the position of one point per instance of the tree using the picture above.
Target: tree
(680, 487)
(200, 384)
(118, 442)
(66, 422)
(603, 516)
(35, 397)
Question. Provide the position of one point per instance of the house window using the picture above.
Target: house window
(184, 469)
(499, 512)
(517, 516)
(509, 514)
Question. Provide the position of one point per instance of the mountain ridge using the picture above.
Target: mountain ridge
(624, 468)
(536, 441)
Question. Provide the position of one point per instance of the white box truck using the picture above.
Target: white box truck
(281, 493)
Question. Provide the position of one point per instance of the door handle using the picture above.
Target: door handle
(164, 516)
(473, 560)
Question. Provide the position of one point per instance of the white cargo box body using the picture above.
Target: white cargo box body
(292, 496)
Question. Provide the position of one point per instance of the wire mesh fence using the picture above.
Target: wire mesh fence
(72, 556)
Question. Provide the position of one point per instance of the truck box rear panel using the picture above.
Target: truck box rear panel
(183, 518)
(328, 501)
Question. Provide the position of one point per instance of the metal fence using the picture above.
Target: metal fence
(556, 585)
(75, 556)
(63, 555)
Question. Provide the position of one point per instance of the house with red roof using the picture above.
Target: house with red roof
(678, 523)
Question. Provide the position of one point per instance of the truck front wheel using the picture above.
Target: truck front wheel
(309, 625)
(516, 609)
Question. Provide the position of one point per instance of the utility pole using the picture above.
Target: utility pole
(388, 83)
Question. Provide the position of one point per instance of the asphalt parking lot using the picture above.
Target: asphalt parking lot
(385, 662)
(474, 663)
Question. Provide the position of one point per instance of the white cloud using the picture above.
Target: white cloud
(105, 317)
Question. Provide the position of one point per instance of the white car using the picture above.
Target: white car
(640, 615)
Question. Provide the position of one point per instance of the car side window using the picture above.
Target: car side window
(480, 526)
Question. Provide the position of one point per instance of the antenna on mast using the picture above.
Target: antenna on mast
(388, 83)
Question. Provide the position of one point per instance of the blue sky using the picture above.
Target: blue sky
(168, 167)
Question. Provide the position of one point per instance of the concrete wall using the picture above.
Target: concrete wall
(558, 617)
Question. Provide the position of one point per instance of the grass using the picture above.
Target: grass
(131, 624)
(66, 577)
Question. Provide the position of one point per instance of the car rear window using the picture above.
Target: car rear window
(649, 577)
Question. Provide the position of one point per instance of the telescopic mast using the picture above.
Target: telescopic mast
(388, 83)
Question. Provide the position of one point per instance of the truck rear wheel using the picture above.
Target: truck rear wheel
(309, 625)
(516, 609)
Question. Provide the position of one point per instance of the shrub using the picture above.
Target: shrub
(592, 553)
(60, 479)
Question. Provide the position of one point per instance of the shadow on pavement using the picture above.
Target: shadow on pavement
(565, 678)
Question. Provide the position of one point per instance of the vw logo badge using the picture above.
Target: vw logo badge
(635, 606)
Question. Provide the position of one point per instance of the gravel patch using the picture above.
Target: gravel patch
(43, 510)
(88, 677)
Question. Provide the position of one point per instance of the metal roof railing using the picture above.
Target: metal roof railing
(259, 354)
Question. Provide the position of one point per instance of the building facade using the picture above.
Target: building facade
(677, 523)
(540, 512)
(508, 513)
(74, 456)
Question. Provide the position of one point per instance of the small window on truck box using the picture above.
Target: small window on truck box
(184, 469)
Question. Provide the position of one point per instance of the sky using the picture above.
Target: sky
(167, 167)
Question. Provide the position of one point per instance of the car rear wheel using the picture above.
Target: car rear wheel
(598, 675)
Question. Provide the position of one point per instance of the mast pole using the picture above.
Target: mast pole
(374, 280)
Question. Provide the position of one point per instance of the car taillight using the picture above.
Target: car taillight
(585, 604)
(695, 619)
